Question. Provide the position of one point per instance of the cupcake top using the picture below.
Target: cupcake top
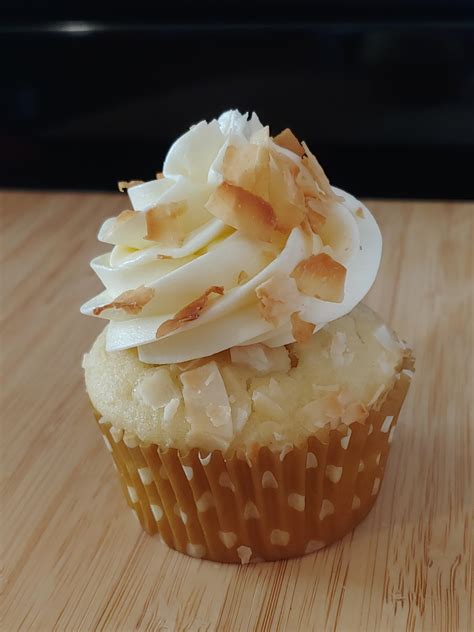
(240, 240)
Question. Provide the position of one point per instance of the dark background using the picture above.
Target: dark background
(382, 91)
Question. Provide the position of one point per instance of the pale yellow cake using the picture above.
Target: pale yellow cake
(275, 396)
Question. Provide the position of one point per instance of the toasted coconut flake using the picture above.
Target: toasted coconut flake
(307, 184)
(207, 406)
(278, 297)
(307, 234)
(248, 167)
(163, 257)
(266, 406)
(321, 277)
(301, 330)
(244, 211)
(321, 206)
(360, 212)
(189, 312)
(157, 389)
(317, 171)
(318, 174)
(124, 216)
(170, 410)
(123, 185)
(315, 219)
(261, 358)
(323, 410)
(288, 140)
(131, 301)
(294, 360)
(239, 399)
(286, 197)
(164, 225)
(243, 276)
(159, 175)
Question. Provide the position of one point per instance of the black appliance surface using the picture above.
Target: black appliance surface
(382, 92)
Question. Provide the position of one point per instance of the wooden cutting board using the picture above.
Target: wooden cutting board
(74, 557)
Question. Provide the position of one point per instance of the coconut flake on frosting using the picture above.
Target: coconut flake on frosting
(189, 312)
(278, 298)
(164, 223)
(315, 218)
(286, 197)
(318, 174)
(128, 228)
(248, 167)
(131, 301)
(242, 277)
(288, 140)
(322, 277)
(125, 216)
(207, 407)
(244, 211)
(301, 330)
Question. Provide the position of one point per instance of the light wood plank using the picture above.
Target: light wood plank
(74, 557)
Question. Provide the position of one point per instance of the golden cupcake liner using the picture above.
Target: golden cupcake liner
(261, 505)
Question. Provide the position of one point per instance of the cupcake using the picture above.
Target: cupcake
(247, 396)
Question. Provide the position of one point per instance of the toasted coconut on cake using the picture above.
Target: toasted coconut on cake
(301, 330)
(207, 407)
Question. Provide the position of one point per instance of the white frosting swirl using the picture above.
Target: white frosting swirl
(214, 254)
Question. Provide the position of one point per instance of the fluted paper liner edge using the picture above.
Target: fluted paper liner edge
(265, 505)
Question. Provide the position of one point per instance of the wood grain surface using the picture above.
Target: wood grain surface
(73, 556)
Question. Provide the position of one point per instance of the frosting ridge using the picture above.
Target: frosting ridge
(238, 210)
